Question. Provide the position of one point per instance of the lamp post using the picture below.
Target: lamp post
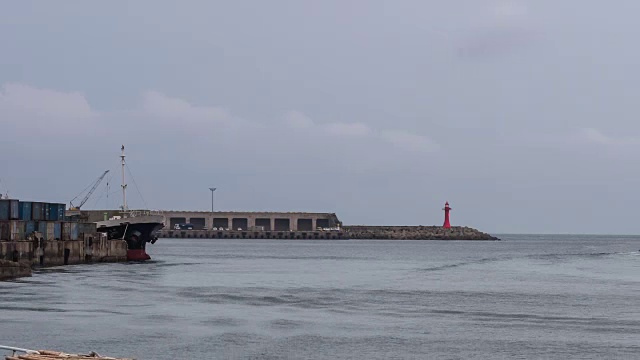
(212, 190)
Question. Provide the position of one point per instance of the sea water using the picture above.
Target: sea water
(525, 297)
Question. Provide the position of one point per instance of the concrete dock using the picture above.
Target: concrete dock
(290, 225)
(207, 220)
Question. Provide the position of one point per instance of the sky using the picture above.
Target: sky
(522, 114)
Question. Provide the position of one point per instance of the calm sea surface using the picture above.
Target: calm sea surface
(526, 297)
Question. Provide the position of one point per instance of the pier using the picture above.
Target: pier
(289, 225)
(344, 233)
(235, 220)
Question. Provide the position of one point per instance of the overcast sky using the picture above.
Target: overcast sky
(522, 114)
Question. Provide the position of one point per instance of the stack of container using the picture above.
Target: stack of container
(19, 219)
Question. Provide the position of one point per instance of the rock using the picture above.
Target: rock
(11, 270)
(416, 233)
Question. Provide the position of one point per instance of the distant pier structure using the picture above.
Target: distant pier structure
(263, 221)
(292, 225)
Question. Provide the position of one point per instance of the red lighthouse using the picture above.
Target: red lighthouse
(446, 209)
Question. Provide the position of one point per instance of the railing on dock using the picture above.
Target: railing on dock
(137, 213)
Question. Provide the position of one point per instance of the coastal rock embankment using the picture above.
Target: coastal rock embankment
(12, 270)
(416, 233)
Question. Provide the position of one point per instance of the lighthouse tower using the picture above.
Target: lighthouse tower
(446, 209)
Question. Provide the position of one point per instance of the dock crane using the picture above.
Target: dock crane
(84, 200)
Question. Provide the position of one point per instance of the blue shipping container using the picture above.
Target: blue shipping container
(61, 211)
(53, 212)
(4, 209)
(30, 227)
(42, 228)
(57, 231)
(25, 210)
(36, 211)
(15, 210)
(47, 211)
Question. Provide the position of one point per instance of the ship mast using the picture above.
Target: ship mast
(124, 186)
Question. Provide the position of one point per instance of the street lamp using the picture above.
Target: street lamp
(212, 190)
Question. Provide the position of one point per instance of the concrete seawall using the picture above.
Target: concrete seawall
(18, 257)
(234, 220)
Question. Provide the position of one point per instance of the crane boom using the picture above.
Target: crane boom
(93, 188)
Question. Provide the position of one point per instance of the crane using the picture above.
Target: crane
(93, 188)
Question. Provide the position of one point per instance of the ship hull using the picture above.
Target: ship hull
(137, 232)
(138, 255)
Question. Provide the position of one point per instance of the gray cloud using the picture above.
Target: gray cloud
(522, 114)
(399, 138)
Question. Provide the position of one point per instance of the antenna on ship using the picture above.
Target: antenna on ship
(124, 186)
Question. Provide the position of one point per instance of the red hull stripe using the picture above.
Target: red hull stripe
(137, 255)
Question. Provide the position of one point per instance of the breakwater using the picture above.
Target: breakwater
(11, 269)
(416, 233)
(249, 234)
(344, 233)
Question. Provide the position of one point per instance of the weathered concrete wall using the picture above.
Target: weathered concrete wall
(207, 234)
(281, 221)
(416, 233)
(59, 252)
(12, 270)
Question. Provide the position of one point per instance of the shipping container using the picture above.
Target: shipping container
(55, 214)
(51, 232)
(47, 210)
(37, 211)
(86, 228)
(57, 231)
(25, 210)
(14, 211)
(42, 228)
(29, 227)
(61, 211)
(74, 231)
(17, 230)
(66, 231)
(50, 211)
(5, 209)
(5, 230)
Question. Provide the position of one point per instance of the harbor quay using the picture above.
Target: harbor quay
(18, 257)
(234, 221)
(39, 234)
(289, 225)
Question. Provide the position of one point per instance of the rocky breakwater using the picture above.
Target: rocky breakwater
(13, 269)
(416, 233)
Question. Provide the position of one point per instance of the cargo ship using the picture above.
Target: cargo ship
(24, 220)
(137, 228)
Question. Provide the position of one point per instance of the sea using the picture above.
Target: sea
(524, 297)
